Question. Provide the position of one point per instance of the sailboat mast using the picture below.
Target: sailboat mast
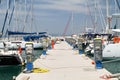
(95, 16)
(6, 16)
(25, 20)
(72, 23)
(116, 11)
(108, 17)
(16, 22)
(31, 15)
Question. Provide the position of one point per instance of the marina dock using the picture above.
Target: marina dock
(64, 63)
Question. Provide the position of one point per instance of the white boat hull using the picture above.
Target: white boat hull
(112, 50)
(14, 45)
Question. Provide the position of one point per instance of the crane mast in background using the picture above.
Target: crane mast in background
(67, 25)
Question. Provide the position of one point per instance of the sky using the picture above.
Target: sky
(56, 17)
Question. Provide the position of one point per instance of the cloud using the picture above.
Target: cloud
(78, 6)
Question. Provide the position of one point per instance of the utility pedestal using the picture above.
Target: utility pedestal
(29, 57)
(98, 53)
(80, 46)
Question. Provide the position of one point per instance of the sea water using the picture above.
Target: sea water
(7, 72)
(113, 67)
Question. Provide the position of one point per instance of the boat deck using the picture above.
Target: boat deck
(64, 63)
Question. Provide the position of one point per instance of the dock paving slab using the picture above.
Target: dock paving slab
(64, 64)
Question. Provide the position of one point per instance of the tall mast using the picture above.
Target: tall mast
(72, 23)
(25, 20)
(95, 16)
(15, 16)
(31, 15)
(8, 7)
(116, 11)
(108, 17)
(6, 15)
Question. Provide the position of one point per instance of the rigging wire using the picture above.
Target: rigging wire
(27, 15)
(92, 20)
(6, 16)
(102, 17)
(118, 4)
(67, 25)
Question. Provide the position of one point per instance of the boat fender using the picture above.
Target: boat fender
(20, 50)
(14, 77)
(92, 62)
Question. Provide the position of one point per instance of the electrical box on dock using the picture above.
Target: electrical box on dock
(98, 52)
(29, 56)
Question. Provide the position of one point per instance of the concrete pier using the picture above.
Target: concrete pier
(64, 63)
